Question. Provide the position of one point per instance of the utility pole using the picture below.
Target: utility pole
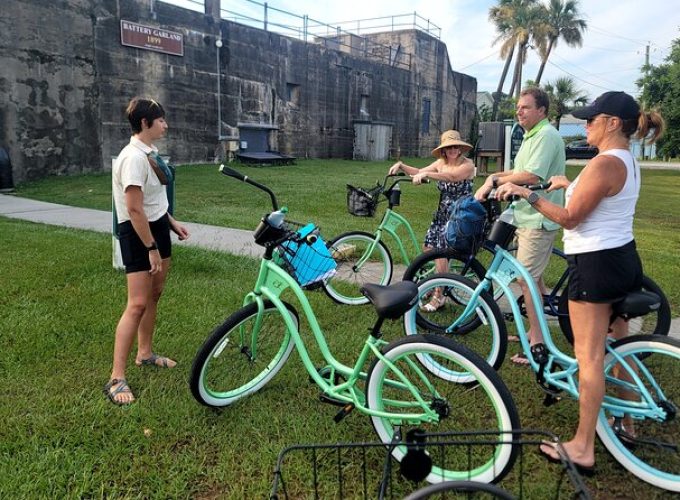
(646, 72)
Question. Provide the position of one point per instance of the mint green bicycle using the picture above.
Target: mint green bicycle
(641, 371)
(394, 383)
(363, 257)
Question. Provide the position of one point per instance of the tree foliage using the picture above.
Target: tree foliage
(560, 20)
(661, 91)
(564, 96)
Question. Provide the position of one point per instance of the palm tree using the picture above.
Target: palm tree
(514, 20)
(529, 23)
(500, 15)
(561, 20)
(564, 96)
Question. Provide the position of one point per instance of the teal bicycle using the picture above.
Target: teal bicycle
(363, 257)
(641, 371)
(395, 384)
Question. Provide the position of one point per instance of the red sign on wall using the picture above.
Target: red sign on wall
(151, 38)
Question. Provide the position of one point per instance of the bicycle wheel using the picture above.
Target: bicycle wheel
(240, 356)
(485, 333)
(460, 489)
(486, 405)
(423, 266)
(347, 250)
(653, 453)
(655, 323)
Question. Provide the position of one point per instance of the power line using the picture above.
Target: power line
(616, 35)
(588, 72)
(477, 62)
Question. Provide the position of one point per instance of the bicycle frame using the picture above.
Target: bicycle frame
(561, 370)
(390, 223)
(271, 282)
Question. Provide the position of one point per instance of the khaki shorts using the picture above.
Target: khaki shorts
(534, 247)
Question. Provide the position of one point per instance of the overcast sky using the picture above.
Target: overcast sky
(610, 59)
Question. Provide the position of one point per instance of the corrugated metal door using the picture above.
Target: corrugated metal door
(372, 141)
(362, 138)
(381, 138)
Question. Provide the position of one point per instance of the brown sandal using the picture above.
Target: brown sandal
(436, 303)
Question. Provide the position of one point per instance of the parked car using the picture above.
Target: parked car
(580, 150)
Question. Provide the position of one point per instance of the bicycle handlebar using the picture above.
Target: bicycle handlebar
(531, 187)
(230, 172)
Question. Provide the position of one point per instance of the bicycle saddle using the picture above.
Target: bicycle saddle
(392, 301)
(636, 304)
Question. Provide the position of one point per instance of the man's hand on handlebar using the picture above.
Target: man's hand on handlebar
(505, 191)
(483, 192)
(510, 191)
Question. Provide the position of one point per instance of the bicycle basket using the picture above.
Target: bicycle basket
(367, 470)
(362, 202)
(308, 261)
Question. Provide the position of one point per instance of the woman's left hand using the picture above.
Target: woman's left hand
(508, 189)
(181, 231)
(419, 178)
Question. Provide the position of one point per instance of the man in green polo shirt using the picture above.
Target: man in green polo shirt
(540, 156)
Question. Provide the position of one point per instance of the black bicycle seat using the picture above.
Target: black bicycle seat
(392, 301)
(636, 304)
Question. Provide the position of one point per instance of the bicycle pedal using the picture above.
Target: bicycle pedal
(551, 399)
(344, 412)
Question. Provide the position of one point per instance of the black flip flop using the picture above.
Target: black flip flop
(584, 470)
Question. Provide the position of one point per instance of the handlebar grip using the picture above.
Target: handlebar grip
(540, 186)
(232, 173)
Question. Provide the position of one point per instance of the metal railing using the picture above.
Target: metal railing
(334, 36)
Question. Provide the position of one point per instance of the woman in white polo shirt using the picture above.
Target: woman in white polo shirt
(144, 226)
(604, 265)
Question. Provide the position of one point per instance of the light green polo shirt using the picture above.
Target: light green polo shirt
(542, 154)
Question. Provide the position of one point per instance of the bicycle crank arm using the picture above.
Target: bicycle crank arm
(344, 412)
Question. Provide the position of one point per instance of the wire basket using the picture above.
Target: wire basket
(366, 470)
(306, 257)
(362, 202)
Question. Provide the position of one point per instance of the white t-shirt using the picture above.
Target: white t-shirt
(610, 225)
(132, 168)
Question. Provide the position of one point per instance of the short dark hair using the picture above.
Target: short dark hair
(140, 108)
(540, 96)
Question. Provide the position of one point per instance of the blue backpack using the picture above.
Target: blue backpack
(465, 228)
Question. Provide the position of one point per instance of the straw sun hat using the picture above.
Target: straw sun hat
(450, 138)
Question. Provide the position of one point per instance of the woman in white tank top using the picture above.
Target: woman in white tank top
(598, 240)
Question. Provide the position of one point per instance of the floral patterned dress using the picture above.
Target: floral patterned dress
(448, 193)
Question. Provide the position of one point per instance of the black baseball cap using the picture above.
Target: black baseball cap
(610, 103)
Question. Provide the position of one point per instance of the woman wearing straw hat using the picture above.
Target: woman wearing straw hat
(453, 173)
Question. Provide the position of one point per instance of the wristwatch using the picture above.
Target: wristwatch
(533, 198)
(494, 181)
(152, 247)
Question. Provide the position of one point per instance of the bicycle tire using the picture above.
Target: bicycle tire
(222, 372)
(487, 405)
(470, 488)
(656, 323)
(486, 334)
(344, 287)
(422, 266)
(658, 361)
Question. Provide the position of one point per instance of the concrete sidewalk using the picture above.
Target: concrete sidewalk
(234, 241)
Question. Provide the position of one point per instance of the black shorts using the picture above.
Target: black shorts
(132, 249)
(605, 276)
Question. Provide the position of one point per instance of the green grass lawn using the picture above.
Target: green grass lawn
(60, 301)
